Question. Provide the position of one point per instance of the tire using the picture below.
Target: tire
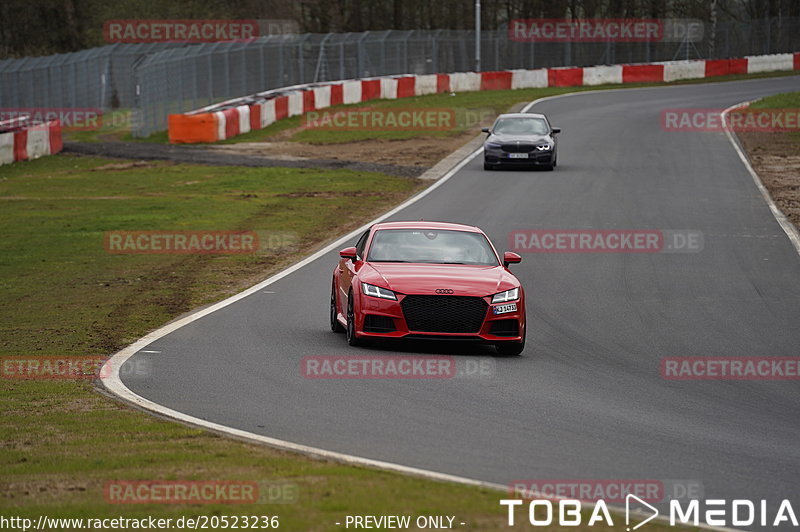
(351, 323)
(335, 325)
(510, 349)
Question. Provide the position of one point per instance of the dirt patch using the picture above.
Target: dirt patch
(124, 166)
(330, 195)
(225, 156)
(776, 159)
(420, 151)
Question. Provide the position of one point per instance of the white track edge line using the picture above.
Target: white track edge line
(786, 224)
(113, 384)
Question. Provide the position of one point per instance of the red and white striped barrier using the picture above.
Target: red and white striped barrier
(230, 119)
(28, 142)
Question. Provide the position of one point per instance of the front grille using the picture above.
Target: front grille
(504, 328)
(378, 324)
(446, 314)
(517, 148)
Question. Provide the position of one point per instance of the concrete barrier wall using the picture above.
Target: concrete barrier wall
(322, 97)
(30, 142)
(209, 125)
(601, 75)
(425, 84)
(677, 70)
(465, 82)
(769, 63)
(389, 89)
(529, 79)
(351, 91)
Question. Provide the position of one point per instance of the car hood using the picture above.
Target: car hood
(464, 280)
(518, 138)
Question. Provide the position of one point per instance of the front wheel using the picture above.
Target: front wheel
(351, 323)
(335, 325)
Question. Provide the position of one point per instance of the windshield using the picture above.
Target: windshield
(521, 126)
(431, 246)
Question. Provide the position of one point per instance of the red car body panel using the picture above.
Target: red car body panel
(424, 279)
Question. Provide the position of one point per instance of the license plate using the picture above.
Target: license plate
(517, 155)
(502, 309)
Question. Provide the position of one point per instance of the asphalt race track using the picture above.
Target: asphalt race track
(586, 399)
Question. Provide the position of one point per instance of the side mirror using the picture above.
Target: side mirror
(348, 253)
(485, 129)
(556, 130)
(509, 257)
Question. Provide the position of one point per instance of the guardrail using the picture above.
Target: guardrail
(257, 111)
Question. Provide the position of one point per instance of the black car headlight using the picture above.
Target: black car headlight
(544, 147)
(508, 295)
(377, 291)
(492, 145)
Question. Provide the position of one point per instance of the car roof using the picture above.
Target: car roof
(423, 224)
(522, 115)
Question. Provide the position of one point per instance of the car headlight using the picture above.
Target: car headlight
(377, 291)
(544, 147)
(508, 295)
(492, 145)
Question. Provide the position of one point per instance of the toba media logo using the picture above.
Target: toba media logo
(713, 512)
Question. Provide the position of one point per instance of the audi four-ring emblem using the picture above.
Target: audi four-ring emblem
(444, 291)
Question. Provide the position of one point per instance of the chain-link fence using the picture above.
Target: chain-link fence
(159, 79)
(100, 78)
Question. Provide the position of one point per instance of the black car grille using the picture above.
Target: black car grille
(378, 324)
(504, 328)
(446, 314)
(517, 148)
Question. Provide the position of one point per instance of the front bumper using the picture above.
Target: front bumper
(498, 157)
(382, 318)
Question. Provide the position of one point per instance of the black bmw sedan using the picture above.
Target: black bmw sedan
(520, 139)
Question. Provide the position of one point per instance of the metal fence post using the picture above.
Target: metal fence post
(341, 58)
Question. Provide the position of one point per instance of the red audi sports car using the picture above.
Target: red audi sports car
(428, 280)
